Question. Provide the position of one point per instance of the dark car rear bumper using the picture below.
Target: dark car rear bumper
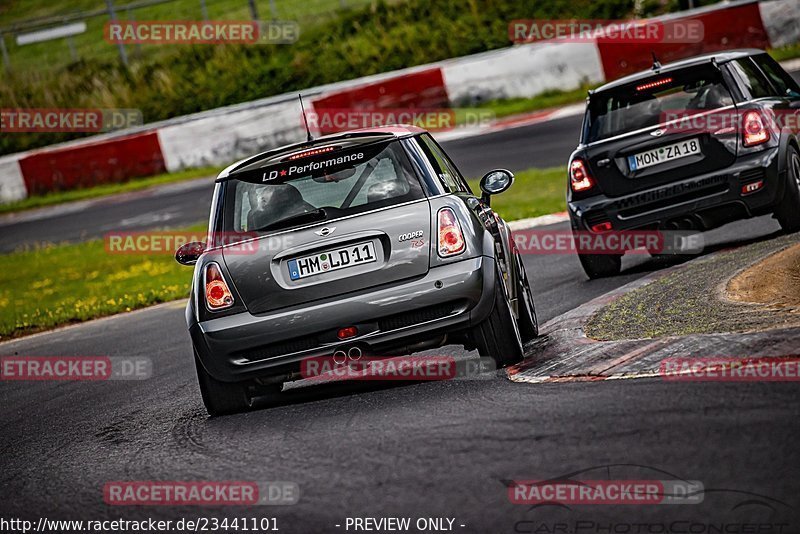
(449, 297)
(710, 200)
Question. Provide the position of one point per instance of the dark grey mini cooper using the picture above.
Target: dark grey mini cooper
(366, 242)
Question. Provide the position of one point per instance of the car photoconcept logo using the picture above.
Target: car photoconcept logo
(325, 231)
(657, 133)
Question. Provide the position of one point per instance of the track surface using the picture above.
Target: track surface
(423, 450)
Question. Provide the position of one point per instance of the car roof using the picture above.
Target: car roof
(354, 137)
(719, 57)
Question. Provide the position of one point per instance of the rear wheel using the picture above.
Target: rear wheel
(528, 323)
(498, 336)
(223, 398)
(788, 211)
(601, 265)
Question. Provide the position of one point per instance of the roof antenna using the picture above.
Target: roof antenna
(305, 120)
(656, 63)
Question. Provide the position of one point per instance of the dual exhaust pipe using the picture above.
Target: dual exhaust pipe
(340, 356)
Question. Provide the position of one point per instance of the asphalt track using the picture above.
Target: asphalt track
(440, 449)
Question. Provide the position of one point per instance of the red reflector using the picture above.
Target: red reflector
(308, 153)
(347, 332)
(602, 227)
(750, 188)
(650, 85)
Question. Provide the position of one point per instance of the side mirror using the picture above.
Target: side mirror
(189, 253)
(495, 182)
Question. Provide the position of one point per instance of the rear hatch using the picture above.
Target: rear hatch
(329, 220)
(660, 129)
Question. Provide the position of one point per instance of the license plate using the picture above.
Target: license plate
(663, 154)
(332, 260)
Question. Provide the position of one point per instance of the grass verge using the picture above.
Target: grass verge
(691, 300)
(548, 99)
(60, 197)
(786, 52)
(62, 284)
(535, 192)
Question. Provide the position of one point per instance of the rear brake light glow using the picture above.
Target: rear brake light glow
(218, 295)
(755, 133)
(347, 332)
(451, 239)
(602, 227)
(752, 187)
(313, 152)
(650, 85)
(579, 179)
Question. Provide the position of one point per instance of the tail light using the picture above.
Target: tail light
(579, 179)
(755, 132)
(218, 295)
(451, 239)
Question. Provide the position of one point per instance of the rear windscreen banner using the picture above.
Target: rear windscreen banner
(325, 162)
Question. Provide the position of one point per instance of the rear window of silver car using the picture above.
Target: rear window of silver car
(384, 177)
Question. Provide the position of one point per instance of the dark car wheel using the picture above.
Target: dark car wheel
(600, 265)
(498, 335)
(788, 211)
(528, 323)
(223, 398)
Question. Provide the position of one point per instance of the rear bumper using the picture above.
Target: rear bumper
(245, 346)
(710, 199)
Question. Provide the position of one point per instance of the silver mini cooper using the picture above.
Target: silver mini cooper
(364, 242)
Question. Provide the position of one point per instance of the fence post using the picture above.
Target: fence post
(113, 16)
(204, 9)
(6, 60)
(253, 9)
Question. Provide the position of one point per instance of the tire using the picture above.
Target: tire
(498, 336)
(221, 398)
(528, 323)
(788, 210)
(601, 265)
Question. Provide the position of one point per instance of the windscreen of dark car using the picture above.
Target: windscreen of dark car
(644, 103)
(318, 184)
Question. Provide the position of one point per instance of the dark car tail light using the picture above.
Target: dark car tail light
(579, 178)
(451, 239)
(755, 132)
(218, 294)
